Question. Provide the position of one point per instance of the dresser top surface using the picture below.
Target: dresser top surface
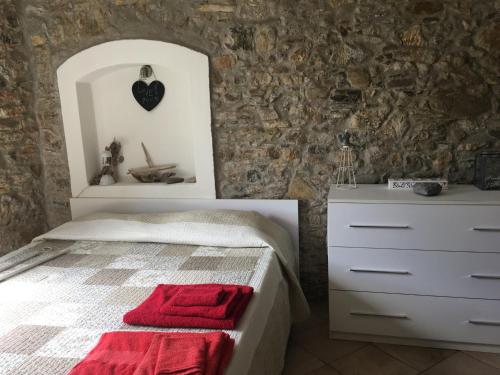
(380, 193)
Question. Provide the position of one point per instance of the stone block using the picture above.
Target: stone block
(346, 96)
(427, 7)
(243, 37)
(223, 62)
(223, 8)
(300, 189)
(358, 77)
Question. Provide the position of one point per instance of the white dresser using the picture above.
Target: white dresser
(416, 270)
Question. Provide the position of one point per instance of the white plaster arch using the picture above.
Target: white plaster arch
(96, 104)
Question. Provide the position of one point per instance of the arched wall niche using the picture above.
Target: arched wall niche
(97, 105)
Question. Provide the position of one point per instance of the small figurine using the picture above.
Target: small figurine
(106, 171)
(110, 158)
(115, 149)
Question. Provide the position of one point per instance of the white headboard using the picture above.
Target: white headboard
(283, 212)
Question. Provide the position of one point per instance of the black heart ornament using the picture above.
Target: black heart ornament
(148, 96)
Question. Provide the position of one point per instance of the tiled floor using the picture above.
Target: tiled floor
(312, 352)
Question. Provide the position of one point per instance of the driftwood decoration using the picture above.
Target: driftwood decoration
(148, 157)
(115, 148)
(152, 173)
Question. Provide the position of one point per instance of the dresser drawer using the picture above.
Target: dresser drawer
(411, 226)
(423, 317)
(438, 273)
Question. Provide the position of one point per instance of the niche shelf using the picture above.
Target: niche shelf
(97, 106)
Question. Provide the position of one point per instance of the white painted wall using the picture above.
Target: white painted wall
(98, 105)
(166, 130)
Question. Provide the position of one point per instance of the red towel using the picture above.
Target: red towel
(155, 353)
(181, 356)
(148, 313)
(198, 296)
(231, 297)
(174, 355)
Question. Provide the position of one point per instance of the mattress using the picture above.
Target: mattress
(53, 313)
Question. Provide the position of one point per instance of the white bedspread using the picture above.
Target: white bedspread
(224, 228)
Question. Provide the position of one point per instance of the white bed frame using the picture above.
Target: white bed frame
(283, 212)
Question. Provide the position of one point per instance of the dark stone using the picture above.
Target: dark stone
(427, 189)
(460, 104)
(426, 7)
(489, 37)
(495, 133)
(253, 176)
(274, 153)
(6, 39)
(3, 162)
(3, 83)
(12, 20)
(401, 82)
(346, 96)
(243, 38)
(318, 149)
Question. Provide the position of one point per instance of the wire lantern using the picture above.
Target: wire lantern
(346, 176)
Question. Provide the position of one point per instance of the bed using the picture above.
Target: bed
(60, 293)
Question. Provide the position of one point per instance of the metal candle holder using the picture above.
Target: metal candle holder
(346, 178)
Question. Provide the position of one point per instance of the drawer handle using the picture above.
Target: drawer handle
(490, 277)
(484, 322)
(378, 226)
(486, 229)
(370, 270)
(378, 315)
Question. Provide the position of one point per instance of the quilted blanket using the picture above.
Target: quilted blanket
(59, 295)
(226, 228)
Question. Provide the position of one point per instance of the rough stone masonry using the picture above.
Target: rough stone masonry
(417, 82)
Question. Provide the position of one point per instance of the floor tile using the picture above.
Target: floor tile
(325, 370)
(299, 362)
(417, 357)
(492, 359)
(461, 364)
(300, 329)
(320, 310)
(317, 342)
(312, 352)
(372, 361)
(319, 316)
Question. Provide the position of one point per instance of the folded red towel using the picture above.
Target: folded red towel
(155, 353)
(209, 296)
(174, 355)
(230, 299)
(181, 356)
(148, 312)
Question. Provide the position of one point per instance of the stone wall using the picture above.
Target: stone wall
(21, 180)
(416, 81)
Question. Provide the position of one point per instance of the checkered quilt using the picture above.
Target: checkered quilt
(57, 297)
